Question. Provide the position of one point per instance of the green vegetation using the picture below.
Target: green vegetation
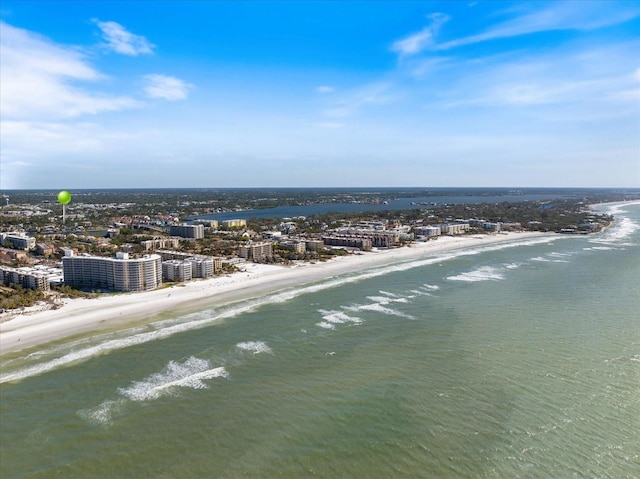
(16, 296)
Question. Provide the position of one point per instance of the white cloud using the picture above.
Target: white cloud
(350, 103)
(119, 40)
(166, 87)
(588, 77)
(39, 79)
(559, 15)
(325, 89)
(417, 42)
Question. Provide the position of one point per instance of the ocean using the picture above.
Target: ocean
(500, 361)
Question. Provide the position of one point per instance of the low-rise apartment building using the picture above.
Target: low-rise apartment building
(18, 241)
(26, 277)
(256, 251)
(160, 243)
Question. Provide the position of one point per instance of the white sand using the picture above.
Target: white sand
(82, 315)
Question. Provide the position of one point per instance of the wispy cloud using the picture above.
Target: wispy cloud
(350, 103)
(166, 87)
(417, 42)
(559, 15)
(40, 79)
(325, 89)
(600, 79)
(119, 40)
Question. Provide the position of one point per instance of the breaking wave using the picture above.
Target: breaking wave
(485, 273)
(189, 374)
(192, 373)
(256, 347)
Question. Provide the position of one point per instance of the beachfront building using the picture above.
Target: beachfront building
(487, 225)
(26, 277)
(187, 231)
(202, 266)
(428, 231)
(454, 228)
(348, 241)
(256, 251)
(176, 270)
(118, 274)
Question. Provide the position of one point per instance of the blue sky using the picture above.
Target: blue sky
(238, 94)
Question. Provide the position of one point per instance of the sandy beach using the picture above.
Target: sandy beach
(83, 316)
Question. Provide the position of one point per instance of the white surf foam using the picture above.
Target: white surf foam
(430, 287)
(559, 255)
(512, 265)
(620, 231)
(391, 295)
(338, 317)
(189, 374)
(325, 325)
(379, 308)
(484, 273)
(256, 347)
(103, 413)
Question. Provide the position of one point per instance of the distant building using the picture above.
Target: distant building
(118, 274)
(209, 223)
(44, 249)
(8, 255)
(160, 243)
(66, 251)
(18, 241)
(256, 251)
(271, 234)
(234, 223)
(314, 245)
(296, 246)
(187, 231)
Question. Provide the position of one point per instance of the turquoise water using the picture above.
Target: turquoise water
(519, 361)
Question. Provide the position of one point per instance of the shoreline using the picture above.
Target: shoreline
(82, 316)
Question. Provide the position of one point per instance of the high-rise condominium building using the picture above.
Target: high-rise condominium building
(118, 274)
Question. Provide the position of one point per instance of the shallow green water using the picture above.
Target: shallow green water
(518, 361)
